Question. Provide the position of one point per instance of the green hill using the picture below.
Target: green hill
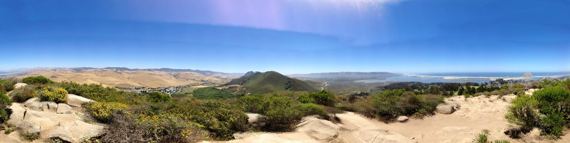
(271, 81)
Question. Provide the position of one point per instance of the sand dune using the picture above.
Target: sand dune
(124, 78)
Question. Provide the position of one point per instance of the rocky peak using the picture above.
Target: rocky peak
(528, 75)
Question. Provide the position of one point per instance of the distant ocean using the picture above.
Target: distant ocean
(478, 77)
(8, 73)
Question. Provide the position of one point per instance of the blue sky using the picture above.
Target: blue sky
(289, 36)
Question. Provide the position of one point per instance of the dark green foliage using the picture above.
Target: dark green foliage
(271, 81)
(221, 119)
(23, 94)
(281, 119)
(211, 93)
(393, 103)
(307, 109)
(322, 97)
(101, 94)
(7, 84)
(253, 103)
(5, 101)
(3, 115)
(461, 91)
(37, 80)
(29, 136)
(553, 104)
(158, 97)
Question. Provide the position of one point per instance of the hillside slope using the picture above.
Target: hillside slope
(131, 78)
(271, 81)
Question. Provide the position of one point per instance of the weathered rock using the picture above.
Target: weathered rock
(33, 104)
(445, 109)
(318, 129)
(75, 131)
(253, 117)
(527, 75)
(29, 127)
(402, 118)
(49, 106)
(63, 108)
(77, 101)
(19, 85)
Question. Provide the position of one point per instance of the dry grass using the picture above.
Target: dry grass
(119, 78)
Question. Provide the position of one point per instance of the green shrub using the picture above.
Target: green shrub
(307, 109)
(4, 101)
(252, 103)
(553, 106)
(221, 119)
(103, 111)
(322, 97)
(523, 113)
(29, 136)
(211, 93)
(281, 119)
(37, 80)
(58, 95)
(393, 103)
(158, 97)
(7, 85)
(101, 94)
(3, 115)
(23, 94)
(518, 91)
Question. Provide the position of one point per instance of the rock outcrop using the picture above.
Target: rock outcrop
(48, 124)
(64, 109)
(402, 119)
(528, 75)
(77, 101)
(445, 109)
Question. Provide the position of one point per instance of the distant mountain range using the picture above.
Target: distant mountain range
(271, 81)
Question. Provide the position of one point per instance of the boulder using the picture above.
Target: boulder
(253, 117)
(402, 119)
(19, 85)
(29, 127)
(318, 129)
(77, 101)
(49, 106)
(76, 131)
(445, 109)
(33, 104)
(63, 108)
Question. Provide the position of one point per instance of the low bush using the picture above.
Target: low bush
(58, 95)
(29, 136)
(307, 109)
(393, 103)
(104, 111)
(158, 97)
(4, 101)
(546, 109)
(101, 94)
(222, 120)
(7, 84)
(211, 93)
(23, 94)
(3, 115)
(37, 80)
(322, 97)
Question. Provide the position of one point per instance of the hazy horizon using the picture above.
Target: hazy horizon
(314, 36)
